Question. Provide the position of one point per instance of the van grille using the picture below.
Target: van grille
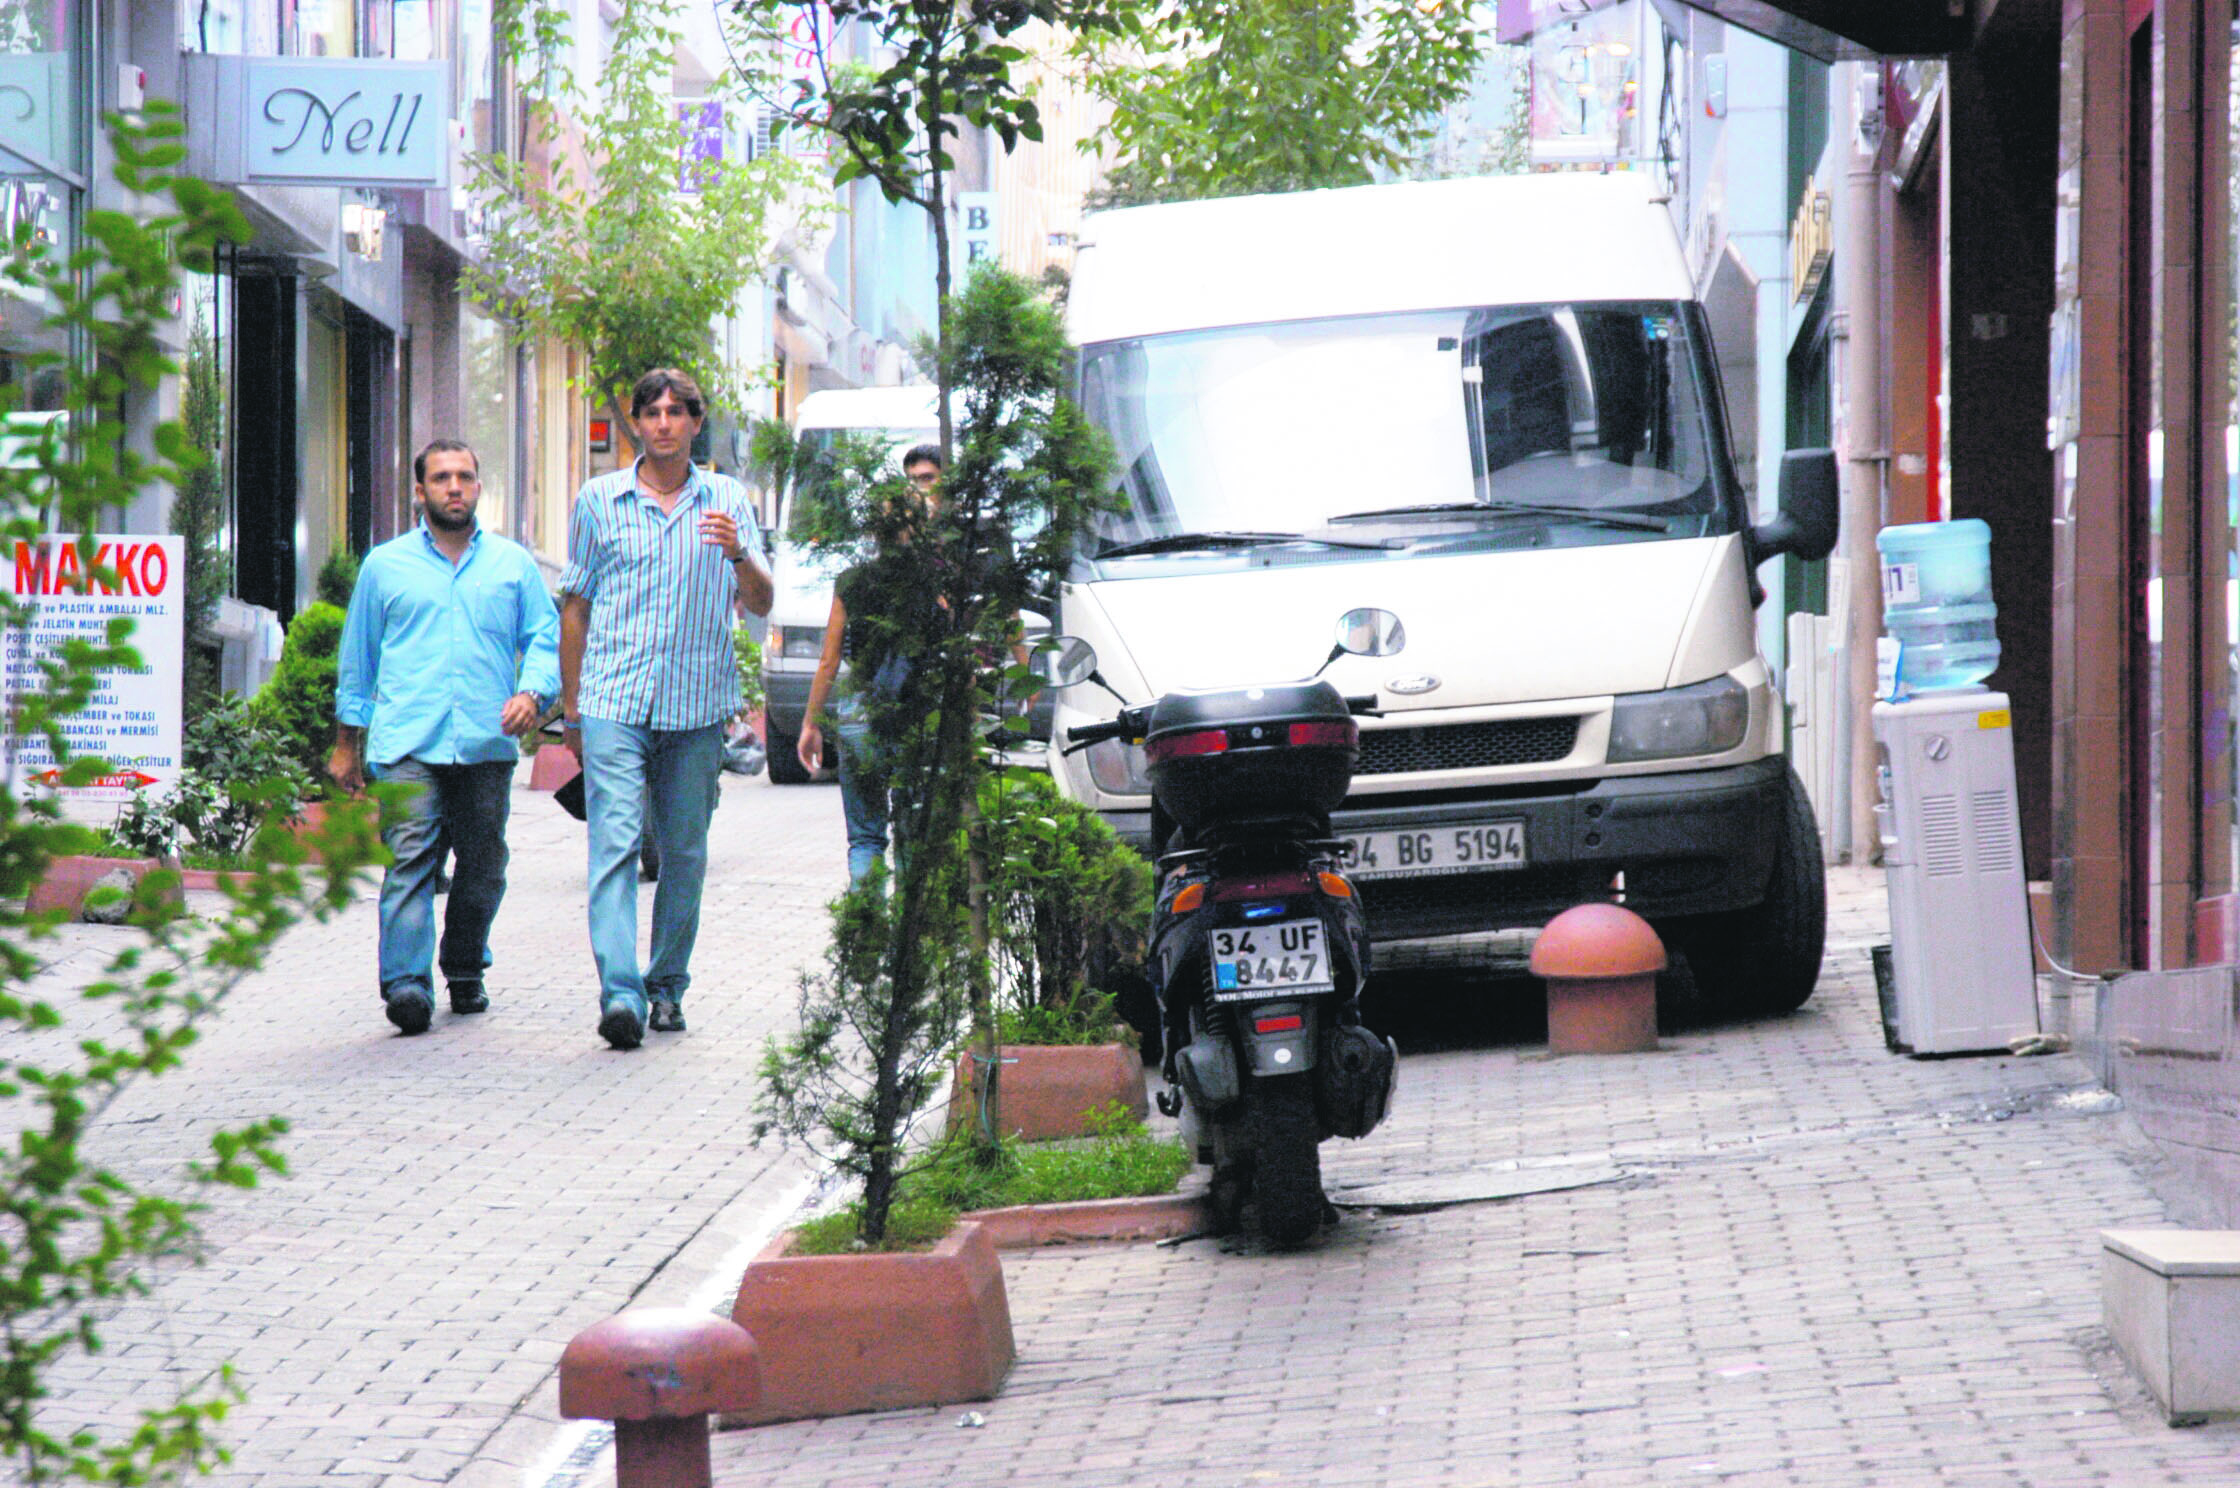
(1466, 746)
(1407, 908)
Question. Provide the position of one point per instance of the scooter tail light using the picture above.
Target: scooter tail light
(1183, 746)
(1190, 897)
(1287, 1023)
(1335, 885)
(1335, 734)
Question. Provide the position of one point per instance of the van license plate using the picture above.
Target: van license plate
(1284, 956)
(1428, 852)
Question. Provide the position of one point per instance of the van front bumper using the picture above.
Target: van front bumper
(1689, 842)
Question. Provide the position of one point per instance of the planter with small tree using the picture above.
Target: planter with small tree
(1071, 904)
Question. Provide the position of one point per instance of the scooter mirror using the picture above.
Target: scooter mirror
(1064, 660)
(1371, 633)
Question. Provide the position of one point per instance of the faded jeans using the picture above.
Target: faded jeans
(632, 773)
(866, 797)
(461, 809)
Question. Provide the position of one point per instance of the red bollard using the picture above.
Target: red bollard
(1600, 962)
(657, 1373)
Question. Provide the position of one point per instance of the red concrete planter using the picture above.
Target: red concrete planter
(67, 881)
(206, 879)
(843, 1334)
(1048, 1090)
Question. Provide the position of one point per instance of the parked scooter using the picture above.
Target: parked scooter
(1259, 950)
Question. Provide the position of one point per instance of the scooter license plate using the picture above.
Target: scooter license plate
(1281, 956)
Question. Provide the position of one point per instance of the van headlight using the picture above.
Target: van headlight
(1117, 767)
(1702, 718)
(797, 642)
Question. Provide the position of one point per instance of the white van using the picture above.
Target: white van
(1491, 407)
(905, 417)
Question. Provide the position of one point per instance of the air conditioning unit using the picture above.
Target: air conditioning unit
(1963, 980)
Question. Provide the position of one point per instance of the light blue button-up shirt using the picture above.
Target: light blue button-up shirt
(432, 650)
(659, 651)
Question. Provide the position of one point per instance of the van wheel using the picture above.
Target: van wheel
(779, 757)
(1764, 961)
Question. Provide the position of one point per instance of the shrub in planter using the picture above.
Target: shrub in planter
(1071, 907)
(298, 698)
(238, 767)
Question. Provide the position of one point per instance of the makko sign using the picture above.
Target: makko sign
(346, 122)
(133, 719)
(319, 121)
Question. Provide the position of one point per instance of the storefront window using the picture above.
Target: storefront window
(42, 177)
(301, 28)
(489, 407)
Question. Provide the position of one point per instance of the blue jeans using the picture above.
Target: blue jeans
(461, 809)
(631, 773)
(866, 774)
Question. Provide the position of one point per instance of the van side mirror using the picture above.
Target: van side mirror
(1807, 523)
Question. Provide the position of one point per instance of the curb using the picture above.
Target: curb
(1031, 1226)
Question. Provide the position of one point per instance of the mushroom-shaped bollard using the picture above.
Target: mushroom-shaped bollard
(657, 1373)
(1600, 962)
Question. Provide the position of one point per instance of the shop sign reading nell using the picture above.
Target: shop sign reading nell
(346, 122)
(133, 717)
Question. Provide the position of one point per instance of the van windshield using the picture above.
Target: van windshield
(1504, 426)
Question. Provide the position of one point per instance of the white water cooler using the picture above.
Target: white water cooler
(1964, 979)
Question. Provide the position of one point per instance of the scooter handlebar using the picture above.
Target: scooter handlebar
(1364, 706)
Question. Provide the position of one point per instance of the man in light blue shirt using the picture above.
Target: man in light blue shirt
(450, 651)
(661, 557)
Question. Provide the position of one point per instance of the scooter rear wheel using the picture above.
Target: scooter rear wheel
(1287, 1160)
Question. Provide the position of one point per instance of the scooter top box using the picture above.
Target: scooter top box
(1251, 751)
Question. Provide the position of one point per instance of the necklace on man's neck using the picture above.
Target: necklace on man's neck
(682, 481)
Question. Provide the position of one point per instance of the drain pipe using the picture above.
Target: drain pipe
(1855, 334)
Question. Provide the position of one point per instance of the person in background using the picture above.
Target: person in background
(660, 556)
(865, 766)
(449, 651)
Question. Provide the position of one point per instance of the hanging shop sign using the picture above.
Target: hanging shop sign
(341, 121)
(132, 720)
(1812, 241)
(35, 106)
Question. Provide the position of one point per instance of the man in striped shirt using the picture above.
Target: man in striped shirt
(660, 557)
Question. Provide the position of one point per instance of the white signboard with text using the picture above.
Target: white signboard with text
(133, 720)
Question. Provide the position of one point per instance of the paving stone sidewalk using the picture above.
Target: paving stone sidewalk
(1824, 1265)
(462, 1203)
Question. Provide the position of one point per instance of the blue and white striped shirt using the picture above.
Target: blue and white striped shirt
(659, 650)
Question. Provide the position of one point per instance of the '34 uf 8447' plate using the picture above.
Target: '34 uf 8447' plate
(1265, 960)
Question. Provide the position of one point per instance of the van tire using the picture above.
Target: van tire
(1764, 961)
(780, 757)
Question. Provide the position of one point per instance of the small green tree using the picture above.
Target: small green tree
(622, 264)
(76, 1234)
(1232, 97)
(944, 595)
(198, 513)
(1072, 901)
(297, 700)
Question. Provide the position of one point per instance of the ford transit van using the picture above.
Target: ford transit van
(1490, 407)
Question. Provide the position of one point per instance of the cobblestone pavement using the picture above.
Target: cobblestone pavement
(1823, 1265)
(465, 1201)
(1820, 1263)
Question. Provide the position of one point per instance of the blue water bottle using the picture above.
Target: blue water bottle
(1936, 603)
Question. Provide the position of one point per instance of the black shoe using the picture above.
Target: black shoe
(620, 1023)
(467, 997)
(409, 1009)
(667, 1016)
